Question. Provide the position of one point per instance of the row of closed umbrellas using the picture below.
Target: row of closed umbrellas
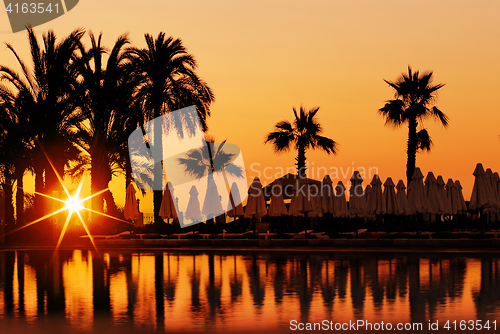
(212, 206)
(430, 195)
(377, 198)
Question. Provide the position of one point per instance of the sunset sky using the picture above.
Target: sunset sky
(261, 58)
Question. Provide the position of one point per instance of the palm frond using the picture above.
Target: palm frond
(303, 133)
(281, 140)
(424, 141)
(394, 112)
(442, 117)
(326, 144)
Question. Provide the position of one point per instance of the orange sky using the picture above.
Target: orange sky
(263, 57)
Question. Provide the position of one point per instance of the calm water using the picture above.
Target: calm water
(120, 291)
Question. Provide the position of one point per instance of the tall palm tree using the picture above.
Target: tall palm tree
(15, 150)
(414, 102)
(9, 147)
(105, 99)
(303, 133)
(167, 82)
(48, 111)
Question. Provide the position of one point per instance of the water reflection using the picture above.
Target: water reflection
(174, 291)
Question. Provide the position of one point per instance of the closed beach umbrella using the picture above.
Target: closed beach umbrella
(256, 203)
(431, 189)
(300, 203)
(444, 205)
(495, 179)
(417, 198)
(461, 195)
(377, 201)
(327, 195)
(339, 202)
(488, 174)
(402, 200)
(315, 196)
(193, 210)
(277, 206)
(235, 195)
(481, 197)
(356, 199)
(367, 193)
(454, 203)
(391, 203)
(496, 184)
(366, 199)
(130, 211)
(211, 205)
(167, 207)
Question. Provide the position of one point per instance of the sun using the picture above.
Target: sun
(73, 204)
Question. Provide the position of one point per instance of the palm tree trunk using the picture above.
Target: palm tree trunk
(100, 178)
(39, 188)
(158, 172)
(110, 204)
(20, 199)
(51, 180)
(9, 208)
(411, 150)
(212, 167)
(301, 160)
(128, 172)
(96, 185)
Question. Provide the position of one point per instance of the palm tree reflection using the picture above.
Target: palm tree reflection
(195, 289)
(159, 292)
(213, 290)
(236, 283)
(257, 288)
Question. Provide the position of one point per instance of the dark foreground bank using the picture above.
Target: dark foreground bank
(425, 241)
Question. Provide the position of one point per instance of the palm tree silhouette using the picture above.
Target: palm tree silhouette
(14, 152)
(413, 103)
(46, 106)
(214, 159)
(303, 134)
(166, 82)
(105, 97)
(199, 162)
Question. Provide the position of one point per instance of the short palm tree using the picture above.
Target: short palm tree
(413, 103)
(166, 82)
(303, 133)
(215, 158)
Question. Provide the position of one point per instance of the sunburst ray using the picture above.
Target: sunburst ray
(36, 221)
(108, 216)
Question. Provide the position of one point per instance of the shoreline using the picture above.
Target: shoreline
(280, 245)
